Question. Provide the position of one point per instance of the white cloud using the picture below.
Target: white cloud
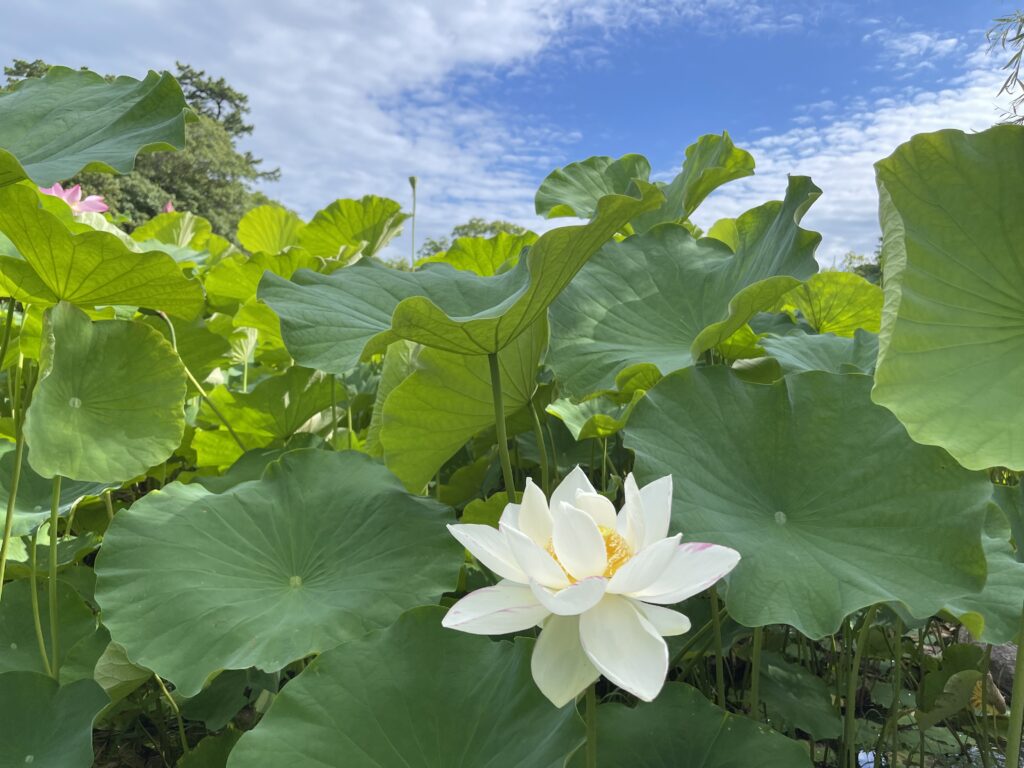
(353, 97)
(912, 50)
(839, 154)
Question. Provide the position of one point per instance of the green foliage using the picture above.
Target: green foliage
(456, 721)
(210, 177)
(475, 227)
(262, 431)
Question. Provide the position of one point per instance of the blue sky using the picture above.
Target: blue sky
(481, 98)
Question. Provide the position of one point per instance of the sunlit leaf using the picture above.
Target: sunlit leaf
(351, 706)
(951, 356)
(70, 121)
(767, 470)
(324, 548)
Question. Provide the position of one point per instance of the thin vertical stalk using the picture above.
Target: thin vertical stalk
(36, 617)
(986, 757)
(351, 438)
(177, 714)
(19, 451)
(716, 621)
(604, 464)
(849, 722)
(755, 674)
(538, 436)
(8, 323)
(245, 373)
(109, 505)
(897, 687)
(1013, 732)
(592, 726)
(412, 223)
(52, 583)
(499, 425)
(199, 387)
(334, 409)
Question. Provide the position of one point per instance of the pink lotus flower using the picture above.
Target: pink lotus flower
(168, 207)
(73, 197)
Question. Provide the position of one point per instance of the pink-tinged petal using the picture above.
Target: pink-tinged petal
(560, 668)
(488, 545)
(578, 543)
(534, 517)
(694, 567)
(168, 207)
(536, 562)
(597, 506)
(625, 647)
(645, 567)
(73, 195)
(667, 622)
(657, 509)
(630, 523)
(566, 490)
(92, 204)
(574, 599)
(55, 191)
(497, 610)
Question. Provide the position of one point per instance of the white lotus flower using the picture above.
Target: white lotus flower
(596, 582)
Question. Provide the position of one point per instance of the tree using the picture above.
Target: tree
(1008, 33)
(211, 177)
(475, 227)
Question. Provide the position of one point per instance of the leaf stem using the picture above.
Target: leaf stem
(849, 722)
(12, 491)
(755, 674)
(8, 322)
(52, 581)
(716, 621)
(36, 618)
(334, 408)
(538, 436)
(199, 387)
(1013, 732)
(592, 725)
(177, 713)
(897, 687)
(499, 425)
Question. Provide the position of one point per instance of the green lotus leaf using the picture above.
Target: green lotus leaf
(682, 722)
(89, 269)
(710, 162)
(348, 227)
(275, 409)
(110, 399)
(35, 494)
(993, 615)
(596, 417)
(398, 365)
(835, 354)
(330, 322)
(480, 315)
(269, 229)
(664, 297)
(951, 348)
(117, 675)
(200, 349)
(324, 548)
(69, 121)
(47, 724)
(766, 469)
(351, 706)
(797, 698)
(17, 630)
(484, 256)
(576, 189)
(430, 415)
(178, 228)
(236, 278)
(212, 751)
(836, 302)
